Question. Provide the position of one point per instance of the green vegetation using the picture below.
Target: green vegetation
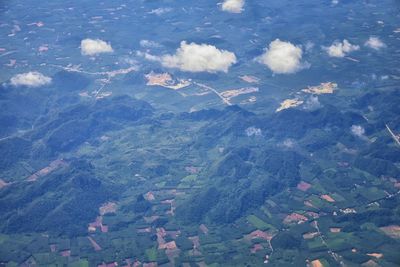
(151, 254)
(258, 223)
(198, 177)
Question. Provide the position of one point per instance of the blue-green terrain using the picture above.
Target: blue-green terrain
(200, 133)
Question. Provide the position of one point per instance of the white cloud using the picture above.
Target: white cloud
(90, 47)
(309, 46)
(375, 43)
(312, 103)
(233, 6)
(358, 131)
(149, 44)
(199, 58)
(30, 79)
(341, 49)
(128, 60)
(151, 57)
(253, 131)
(288, 143)
(148, 56)
(282, 57)
(160, 11)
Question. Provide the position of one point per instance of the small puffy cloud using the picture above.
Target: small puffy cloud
(148, 56)
(341, 49)
(309, 46)
(375, 43)
(233, 6)
(358, 131)
(253, 131)
(199, 58)
(90, 47)
(149, 44)
(30, 79)
(283, 57)
(312, 103)
(288, 143)
(128, 60)
(160, 11)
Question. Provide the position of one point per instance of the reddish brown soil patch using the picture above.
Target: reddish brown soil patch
(375, 255)
(316, 263)
(165, 80)
(295, 218)
(104, 228)
(309, 204)
(393, 231)
(259, 234)
(65, 253)
(327, 198)
(149, 196)
(54, 165)
(107, 208)
(249, 79)
(303, 186)
(171, 248)
(256, 248)
(94, 244)
(162, 244)
(204, 229)
(323, 88)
